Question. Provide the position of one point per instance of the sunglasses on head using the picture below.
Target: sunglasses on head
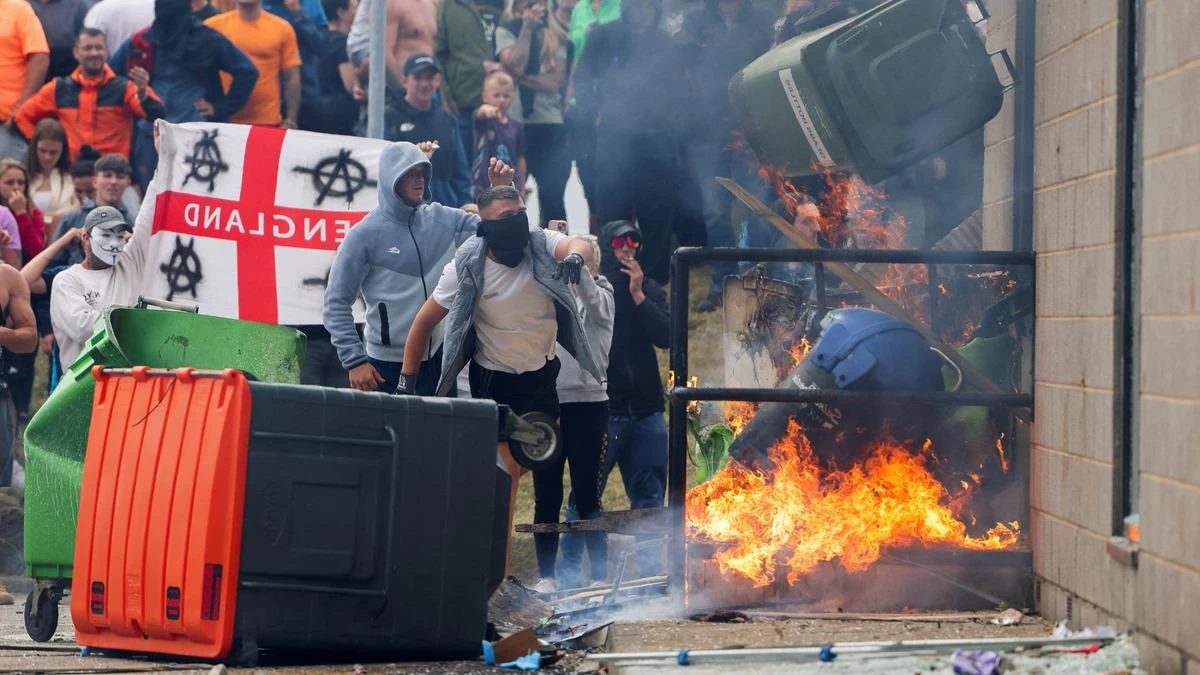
(627, 240)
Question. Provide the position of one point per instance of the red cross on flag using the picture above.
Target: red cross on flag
(246, 219)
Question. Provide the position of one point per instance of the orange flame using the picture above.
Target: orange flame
(1000, 452)
(738, 414)
(799, 351)
(803, 513)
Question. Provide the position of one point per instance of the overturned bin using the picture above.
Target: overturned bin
(56, 437)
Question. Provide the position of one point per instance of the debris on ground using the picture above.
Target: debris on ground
(722, 616)
(1009, 617)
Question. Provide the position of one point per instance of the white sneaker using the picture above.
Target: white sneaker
(545, 585)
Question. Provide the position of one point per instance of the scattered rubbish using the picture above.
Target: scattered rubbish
(1099, 632)
(826, 654)
(1009, 617)
(531, 661)
(84, 651)
(975, 663)
(220, 669)
(510, 648)
(722, 616)
(359, 669)
(569, 634)
(515, 606)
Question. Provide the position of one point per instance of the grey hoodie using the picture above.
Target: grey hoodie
(393, 259)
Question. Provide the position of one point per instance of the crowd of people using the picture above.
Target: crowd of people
(482, 95)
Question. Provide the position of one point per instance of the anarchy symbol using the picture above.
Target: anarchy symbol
(183, 269)
(344, 168)
(205, 163)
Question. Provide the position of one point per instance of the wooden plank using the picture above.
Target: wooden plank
(632, 521)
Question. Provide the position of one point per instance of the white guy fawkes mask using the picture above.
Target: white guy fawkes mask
(107, 245)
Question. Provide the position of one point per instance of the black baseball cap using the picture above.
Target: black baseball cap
(105, 218)
(420, 62)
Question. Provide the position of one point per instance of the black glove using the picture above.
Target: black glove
(407, 385)
(570, 269)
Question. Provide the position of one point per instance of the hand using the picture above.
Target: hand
(205, 108)
(490, 67)
(5, 238)
(557, 226)
(487, 111)
(500, 173)
(534, 14)
(633, 270)
(570, 269)
(428, 147)
(471, 207)
(359, 94)
(365, 378)
(47, 343)
(141, 78)
(71, 236)
(16, 202)
(407, 385)
(292, 6)
(287, 124)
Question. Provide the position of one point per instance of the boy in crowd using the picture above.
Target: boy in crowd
(496, 134)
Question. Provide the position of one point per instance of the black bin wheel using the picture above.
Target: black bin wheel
(538, 444)
(41, 627)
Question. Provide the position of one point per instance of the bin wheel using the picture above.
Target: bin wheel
(535, 441)
(42, 625)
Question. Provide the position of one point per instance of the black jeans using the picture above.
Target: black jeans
(321, 365)
(585, 431)
(428, 375)
(549, 163)
(524, 392)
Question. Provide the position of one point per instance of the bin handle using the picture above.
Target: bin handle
(144, 302)
(1010, 66)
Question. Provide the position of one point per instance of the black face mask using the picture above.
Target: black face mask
(507, 237)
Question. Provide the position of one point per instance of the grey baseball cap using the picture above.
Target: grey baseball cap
(105, 218)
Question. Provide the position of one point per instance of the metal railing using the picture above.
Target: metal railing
(681, 394)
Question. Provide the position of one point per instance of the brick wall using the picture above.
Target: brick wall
(1075, 224)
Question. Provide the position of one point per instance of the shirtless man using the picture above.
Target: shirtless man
(18, 334)
(411, 26)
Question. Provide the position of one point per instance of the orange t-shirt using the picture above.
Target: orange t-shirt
(270, 43)
(20, 35)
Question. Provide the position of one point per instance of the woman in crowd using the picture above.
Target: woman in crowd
(14, 189)
(49, 168)
(534, 47)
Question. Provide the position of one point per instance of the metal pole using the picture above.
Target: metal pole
(677, 430)
(377, 87)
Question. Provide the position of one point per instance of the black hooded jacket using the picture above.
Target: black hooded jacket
(630, 80)
(634, 384)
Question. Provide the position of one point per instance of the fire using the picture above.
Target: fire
(799, 351)
(1000, 452)
(803, 513)
(738, 414)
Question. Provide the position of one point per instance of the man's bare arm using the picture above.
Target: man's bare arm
(22, 336)
(428, 317)
(291, 95)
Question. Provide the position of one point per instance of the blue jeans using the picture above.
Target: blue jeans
(427, 376)
(639, 446)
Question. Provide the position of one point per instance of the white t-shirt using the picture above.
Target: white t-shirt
(79, 296)
(514, 320)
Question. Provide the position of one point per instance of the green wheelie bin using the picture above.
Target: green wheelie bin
(873, 94)
(56, 437)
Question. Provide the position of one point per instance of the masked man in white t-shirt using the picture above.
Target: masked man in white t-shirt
(109, 275)
(506, 301)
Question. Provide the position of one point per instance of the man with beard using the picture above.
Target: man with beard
(110, 274)
(95, 105)
(627, 84)
(506, 300)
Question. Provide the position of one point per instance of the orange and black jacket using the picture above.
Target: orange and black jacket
(97, 112)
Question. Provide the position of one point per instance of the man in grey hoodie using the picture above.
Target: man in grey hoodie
(393, 259)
